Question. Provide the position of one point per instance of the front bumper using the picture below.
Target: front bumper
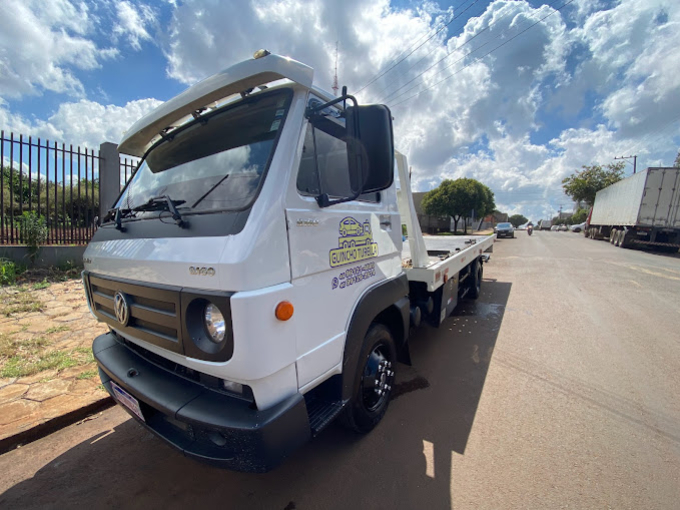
(505, 234)
(202, 423)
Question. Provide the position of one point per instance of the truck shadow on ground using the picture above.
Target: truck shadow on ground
(406, 462)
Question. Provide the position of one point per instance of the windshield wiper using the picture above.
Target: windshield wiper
(116, 215)
(164, 203)
(210, 190)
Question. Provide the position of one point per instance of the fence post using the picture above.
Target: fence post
(109, 176)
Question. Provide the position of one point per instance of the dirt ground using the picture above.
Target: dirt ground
(46, 364)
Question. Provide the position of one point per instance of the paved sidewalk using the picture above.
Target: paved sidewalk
(51, 331)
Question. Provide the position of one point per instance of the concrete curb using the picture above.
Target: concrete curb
(50, 426)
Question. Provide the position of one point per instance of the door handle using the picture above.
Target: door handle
(385, 222)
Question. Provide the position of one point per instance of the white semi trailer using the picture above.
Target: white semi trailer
(642, 210)
(252, 271)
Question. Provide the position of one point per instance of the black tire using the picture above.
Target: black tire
(476, 274)
(612, 234)
(377, 362)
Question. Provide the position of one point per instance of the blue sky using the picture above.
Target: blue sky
(518, 95)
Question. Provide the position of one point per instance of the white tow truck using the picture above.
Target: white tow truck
(253, 272)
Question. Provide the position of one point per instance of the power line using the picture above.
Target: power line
(389, 96)
(642, 142)
(486, 54)
(628, 157)
(454, 17)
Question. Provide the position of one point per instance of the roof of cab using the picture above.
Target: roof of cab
(239, 77)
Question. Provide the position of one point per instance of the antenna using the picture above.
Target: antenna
(335, 78)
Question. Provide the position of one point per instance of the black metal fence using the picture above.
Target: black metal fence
(128, 165)
(53, 181)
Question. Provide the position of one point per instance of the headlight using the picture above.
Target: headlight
(214, 323)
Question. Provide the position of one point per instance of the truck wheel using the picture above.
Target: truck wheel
(373, 381)
(621, 234)
(476, 273)
(612, 235)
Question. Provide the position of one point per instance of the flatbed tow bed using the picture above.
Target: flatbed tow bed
(433, 260)
(447, 255)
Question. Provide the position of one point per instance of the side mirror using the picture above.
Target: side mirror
(371, 146)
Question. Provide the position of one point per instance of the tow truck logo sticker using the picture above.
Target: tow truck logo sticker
(354, 244)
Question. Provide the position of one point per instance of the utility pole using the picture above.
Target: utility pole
(628, 157)
(335, 78)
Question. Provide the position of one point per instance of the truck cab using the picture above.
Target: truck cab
(252, 273)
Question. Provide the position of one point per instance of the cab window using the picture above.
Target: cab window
(323, 167)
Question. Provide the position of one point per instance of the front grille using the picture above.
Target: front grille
(154, 311)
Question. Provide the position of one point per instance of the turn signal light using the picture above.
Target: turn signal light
(284, 310)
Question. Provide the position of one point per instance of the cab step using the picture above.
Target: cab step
(321, 412)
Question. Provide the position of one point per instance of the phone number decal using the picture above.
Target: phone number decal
(353, 275)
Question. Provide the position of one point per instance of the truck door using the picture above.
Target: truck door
(336, 252)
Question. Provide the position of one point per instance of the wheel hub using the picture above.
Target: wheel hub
(377, 379)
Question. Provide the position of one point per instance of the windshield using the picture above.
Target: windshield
(504, 225)
(229, 150)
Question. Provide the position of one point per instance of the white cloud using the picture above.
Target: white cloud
(587, 83)
(84, 123)
(41, 42)
(133, 22)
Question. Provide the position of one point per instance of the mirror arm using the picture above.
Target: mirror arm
(309, 112)
(324, 201)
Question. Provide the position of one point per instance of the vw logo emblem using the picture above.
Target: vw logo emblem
(121, 308)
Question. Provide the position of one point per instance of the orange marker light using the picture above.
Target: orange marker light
(284, 310)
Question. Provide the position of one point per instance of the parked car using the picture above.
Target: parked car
(562, 228)
(554, 228)
(578, 228)
(504, 230)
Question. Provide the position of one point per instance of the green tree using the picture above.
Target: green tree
(583, 186)
(458, 198)
(676, 163)
(517, 220)
(579, 216)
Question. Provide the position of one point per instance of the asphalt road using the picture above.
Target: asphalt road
(559, 388)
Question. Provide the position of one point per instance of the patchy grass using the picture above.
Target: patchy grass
(38, 276)
(41, 285)
(19, 302)
(88, 374)
(58, 329)
(85, 353)
(101, 387)
(22, 366)
(10, 271)
(21, 358)
(11, 347)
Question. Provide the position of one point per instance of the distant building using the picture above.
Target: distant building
(492, 220)
(429, 224)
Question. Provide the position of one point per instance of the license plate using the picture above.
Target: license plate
(127, 400)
